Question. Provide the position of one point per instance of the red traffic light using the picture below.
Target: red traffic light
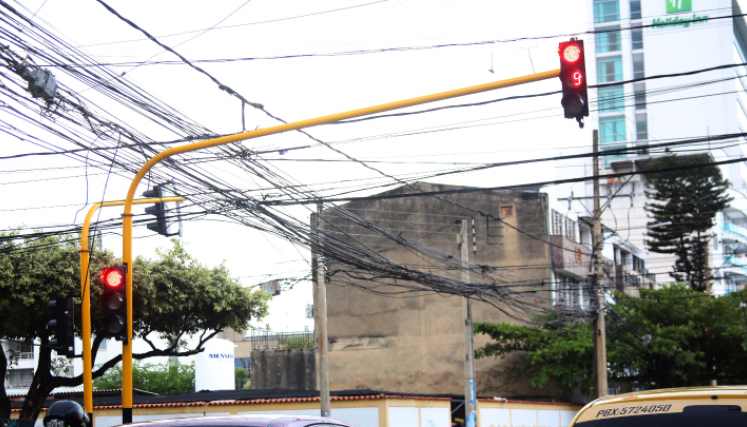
(571, 53)
(112, 277)
(573, 79)
(113, 302)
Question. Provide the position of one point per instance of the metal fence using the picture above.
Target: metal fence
(268, 340)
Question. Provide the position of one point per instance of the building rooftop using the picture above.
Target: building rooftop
(112, 398)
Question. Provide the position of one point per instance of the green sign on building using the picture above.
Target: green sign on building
(677, 6)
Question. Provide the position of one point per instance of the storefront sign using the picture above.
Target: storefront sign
(679, 6)
(679, 21)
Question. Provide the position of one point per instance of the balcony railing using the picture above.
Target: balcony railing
(735, 229)
(26, 355)
(19, 385)
(736, 261)
(268, 340)
(629, 278)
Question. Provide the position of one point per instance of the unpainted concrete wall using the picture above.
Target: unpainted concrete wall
(284, 369)
(414, 341)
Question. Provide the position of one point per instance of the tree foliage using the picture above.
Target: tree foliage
(687, 202)
(167, 378)
(173, 296)
(672, 337)
(240, 376)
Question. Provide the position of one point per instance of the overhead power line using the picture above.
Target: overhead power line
(506, 187)
(395, 49)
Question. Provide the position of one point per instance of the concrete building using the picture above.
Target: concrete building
(414, 342)
(23, 359)
(644, 38)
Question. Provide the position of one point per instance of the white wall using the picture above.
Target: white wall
(359, 417)
(435, 417)
(117, 420)
(403, 417)
(504, 417)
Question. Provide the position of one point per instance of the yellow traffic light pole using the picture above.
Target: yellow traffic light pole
(127, 215)
(85, 294)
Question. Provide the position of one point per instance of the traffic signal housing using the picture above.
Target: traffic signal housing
(575, 100)
(114, 302)
(62, 326)
(159, 210)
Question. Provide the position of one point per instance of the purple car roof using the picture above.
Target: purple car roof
(261, 420)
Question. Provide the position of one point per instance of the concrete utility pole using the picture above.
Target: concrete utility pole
(600, 335)
(320, 319)
(469, 339)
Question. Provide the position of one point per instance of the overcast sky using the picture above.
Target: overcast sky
(307, 87)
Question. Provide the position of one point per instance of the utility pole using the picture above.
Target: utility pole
(320, 317)
(600, 335)
(469, 339)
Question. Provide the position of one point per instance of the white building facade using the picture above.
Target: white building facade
(636, 39)
(25, 358)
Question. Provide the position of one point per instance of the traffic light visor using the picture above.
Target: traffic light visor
(571, 53)
(112, 277)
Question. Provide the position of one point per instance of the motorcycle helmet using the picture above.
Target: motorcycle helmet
(66, 413)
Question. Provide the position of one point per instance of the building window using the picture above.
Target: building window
(570, 229)
(608, 40)
(611, 129)
(609, 69)
(638, 66)
(640, 95)
(557, 223)
(242, 362)
(507, 211)
(641, 127)
(606, 10)
(625, 258)
(637, 37)
(635, 9)
(584, 236)
(568, 292)
(609, 159)
(639, 265)
(611, 99)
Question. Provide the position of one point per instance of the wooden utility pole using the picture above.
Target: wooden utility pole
(469, 341)
(320, 316)
(600, 335)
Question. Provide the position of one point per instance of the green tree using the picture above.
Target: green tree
(167, 378)
(686, 201)
(174, 296)
(241, 376)
(672, 337)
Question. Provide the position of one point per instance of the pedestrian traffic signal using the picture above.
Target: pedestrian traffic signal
(62, 326)
(159, 210)
(114, 302)
(575, 100)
